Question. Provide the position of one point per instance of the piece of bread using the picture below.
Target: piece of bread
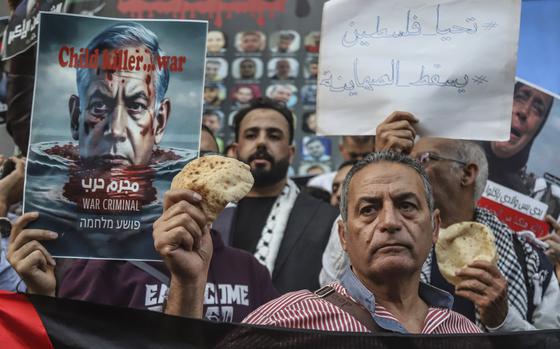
(218, 179)
(461, 244)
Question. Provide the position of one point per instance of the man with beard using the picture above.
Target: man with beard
(285, 228)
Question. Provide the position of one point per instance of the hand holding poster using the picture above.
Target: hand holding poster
(450, 63)
(116, 114)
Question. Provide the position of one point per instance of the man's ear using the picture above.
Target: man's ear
(436, 223)
(469, 175)
(162, 117)
(292, 153)
(235, 147)
(74, 111)
(342, 233)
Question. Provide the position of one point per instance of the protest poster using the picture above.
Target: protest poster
(3, 75)
(21, 33)
(450, 63)
(528, 162)
(520, 212)
(116, 114)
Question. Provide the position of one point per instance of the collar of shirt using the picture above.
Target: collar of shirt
(433, 296)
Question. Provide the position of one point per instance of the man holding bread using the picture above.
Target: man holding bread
(286, 229)
(388, 227)
(520, 292)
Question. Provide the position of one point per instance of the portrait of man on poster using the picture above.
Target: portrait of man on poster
(118, 116)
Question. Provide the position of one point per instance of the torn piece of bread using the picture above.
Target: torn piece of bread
(218, 179)
(461, 244)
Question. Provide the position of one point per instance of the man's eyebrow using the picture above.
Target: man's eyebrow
(274, 129)
(405, 196)
(139, 94)
(370, 199)
(98, 93)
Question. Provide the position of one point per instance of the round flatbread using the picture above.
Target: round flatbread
(218, 179)
(461, 244)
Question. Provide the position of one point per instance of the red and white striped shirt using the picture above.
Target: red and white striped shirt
(305, 310)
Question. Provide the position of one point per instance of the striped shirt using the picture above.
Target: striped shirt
(305, 310)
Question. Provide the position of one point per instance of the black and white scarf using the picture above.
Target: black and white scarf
(508, 263)
(273, 231)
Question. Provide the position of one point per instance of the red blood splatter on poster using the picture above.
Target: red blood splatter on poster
(215, 10)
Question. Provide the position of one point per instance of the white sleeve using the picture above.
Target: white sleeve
(545, 316)
(334, 258)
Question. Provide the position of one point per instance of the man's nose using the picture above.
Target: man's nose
(261, 138)
(522, 111)
(389, 220)
(118, 123)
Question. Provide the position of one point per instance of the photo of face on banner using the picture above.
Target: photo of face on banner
(214, 120)
(307, 168)
(216, 42)
(108, 133)
(216, 69)
(247, 68)
(284, 41)
(214, 94)
(242, 95)
(521, 163)
(253, 41)
(285, 93)
(283, 68)
(315, 148)
(309, 122)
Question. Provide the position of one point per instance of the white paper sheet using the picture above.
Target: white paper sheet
(450, 62)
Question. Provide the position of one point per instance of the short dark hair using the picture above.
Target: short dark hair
(264, 103)
(205, 128)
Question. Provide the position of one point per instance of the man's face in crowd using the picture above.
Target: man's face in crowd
(212, 70)
(119, 125)
(211, 95)
(263, 144)
(315, 149)
(250, 42)
(212, 122)
(389, 229)
(529, 112)
(281, 94)
(283, 69)
(244, 95)
(337, 185)
(247, 69)
(215, 41)
(444, 175)
(352, 150)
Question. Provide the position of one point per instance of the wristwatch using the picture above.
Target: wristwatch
(5, 227)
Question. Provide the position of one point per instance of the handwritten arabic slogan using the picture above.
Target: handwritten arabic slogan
(449, 62)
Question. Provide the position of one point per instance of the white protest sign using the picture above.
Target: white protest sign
(450, 62)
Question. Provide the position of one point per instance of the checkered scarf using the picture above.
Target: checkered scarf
(273, 231)
(508, 262)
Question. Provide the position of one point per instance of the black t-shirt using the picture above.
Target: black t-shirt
(251, 215)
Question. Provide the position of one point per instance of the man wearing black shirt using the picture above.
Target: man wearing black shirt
(285, 229)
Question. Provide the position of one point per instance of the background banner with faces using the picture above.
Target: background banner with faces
(255, 48)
